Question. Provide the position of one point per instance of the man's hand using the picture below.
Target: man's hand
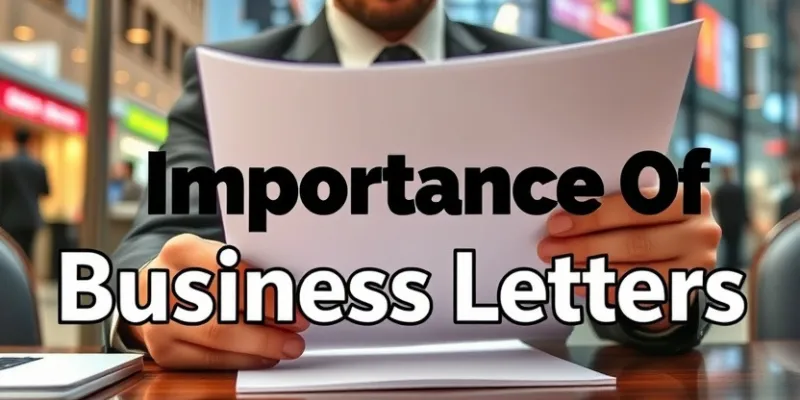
(213, 345)
(661, 242)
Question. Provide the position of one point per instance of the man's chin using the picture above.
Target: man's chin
(391, 18)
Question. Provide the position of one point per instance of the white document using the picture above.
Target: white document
(468, 365)
(592, 104)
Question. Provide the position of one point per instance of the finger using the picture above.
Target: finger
(256, 340)
(182, 355)
(189, 251)
(615, 213)
(636, 245)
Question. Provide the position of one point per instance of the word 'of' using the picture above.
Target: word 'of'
(371, 296)
(577, 189)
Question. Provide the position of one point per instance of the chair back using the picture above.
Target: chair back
(19, 316)
(775, 284)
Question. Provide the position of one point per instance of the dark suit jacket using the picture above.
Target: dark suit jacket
(22, 181)
(188, 146)
(731, 208)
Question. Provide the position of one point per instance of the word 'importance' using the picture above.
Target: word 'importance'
(577, 188)
(371, 296)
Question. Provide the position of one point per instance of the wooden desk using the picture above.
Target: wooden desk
(767, 370)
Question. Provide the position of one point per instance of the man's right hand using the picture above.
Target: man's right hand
(212, 345)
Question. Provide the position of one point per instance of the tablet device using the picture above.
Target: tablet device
(63, 376)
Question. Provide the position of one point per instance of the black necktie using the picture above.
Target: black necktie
(397, 53)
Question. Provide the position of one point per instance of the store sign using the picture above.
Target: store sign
(594, 18)
(146, 124)
(24, 103)
(649, 15)
(717, 52)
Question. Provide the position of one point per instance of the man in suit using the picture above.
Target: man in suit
(23, 180)
(357, 34)
(732, 215)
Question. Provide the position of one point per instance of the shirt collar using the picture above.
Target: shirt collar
(358, 46)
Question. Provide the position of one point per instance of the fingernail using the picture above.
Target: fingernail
(559, 224)
(293, 348)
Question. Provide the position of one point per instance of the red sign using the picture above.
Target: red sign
(25, 103)
(707, 56)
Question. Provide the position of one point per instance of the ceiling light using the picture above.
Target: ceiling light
(142, 89)
(680, 1)
(79, 55)
(507, 19)
(138, 36)
(122, 77)
(756, 41)
(24, 33)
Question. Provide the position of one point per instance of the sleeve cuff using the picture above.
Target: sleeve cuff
(116, 340)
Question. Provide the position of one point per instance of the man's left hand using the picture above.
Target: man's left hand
(661, 242)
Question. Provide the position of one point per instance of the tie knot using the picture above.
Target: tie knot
(398, 53)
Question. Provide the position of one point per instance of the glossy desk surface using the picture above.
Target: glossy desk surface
(765, 370)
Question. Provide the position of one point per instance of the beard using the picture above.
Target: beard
(398, 15)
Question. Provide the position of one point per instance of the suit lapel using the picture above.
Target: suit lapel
(459, 42)
(314, 43)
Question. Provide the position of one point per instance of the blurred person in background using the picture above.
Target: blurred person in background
(122, 187)
(791, 202)
(733, 218)
(358, 34)
(23, 181)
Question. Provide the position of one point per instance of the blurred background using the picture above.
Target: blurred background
(741, 100)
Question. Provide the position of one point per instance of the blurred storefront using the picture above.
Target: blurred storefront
(59, 130)
(54, 111)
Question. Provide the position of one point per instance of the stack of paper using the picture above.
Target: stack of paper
(593, 105)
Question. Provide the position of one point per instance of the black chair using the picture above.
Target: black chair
(775, 284)
(19, 315)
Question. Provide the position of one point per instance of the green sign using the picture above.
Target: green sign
(146, 124)
(650, 15)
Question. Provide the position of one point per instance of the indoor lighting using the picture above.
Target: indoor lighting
(24, 33)
(680, 1)
(142, 89)
(756, 41)
(79, 55)
(507, 20)
(138, 36)
(122, 77)
(753, 101)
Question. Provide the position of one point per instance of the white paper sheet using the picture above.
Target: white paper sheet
(593, 105)
(470, 365)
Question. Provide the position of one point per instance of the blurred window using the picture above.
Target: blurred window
(58, 3)
(169, 49)
(127, 11)
(150, 24)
